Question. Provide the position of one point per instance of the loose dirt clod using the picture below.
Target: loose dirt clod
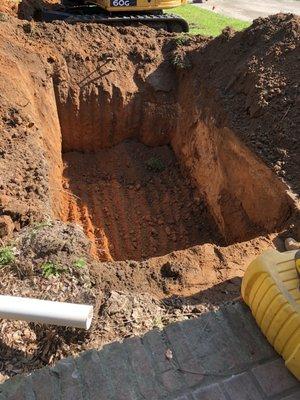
(6, 226)
(135, 184)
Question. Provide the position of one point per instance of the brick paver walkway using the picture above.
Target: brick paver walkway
(218, 356)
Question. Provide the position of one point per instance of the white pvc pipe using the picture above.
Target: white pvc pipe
(46, 312)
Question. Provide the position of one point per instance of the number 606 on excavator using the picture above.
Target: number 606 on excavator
(123, 3)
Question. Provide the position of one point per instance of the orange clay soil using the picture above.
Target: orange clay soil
(178, 166)
(9, 7)
(135, 203)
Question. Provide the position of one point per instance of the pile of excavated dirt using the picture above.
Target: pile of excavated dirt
(256, 79)
(24, 8)
(177, 157)
(9, 7)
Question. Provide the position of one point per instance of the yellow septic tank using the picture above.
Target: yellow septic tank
(270, 287)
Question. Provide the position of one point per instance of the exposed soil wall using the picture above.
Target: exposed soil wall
(145, 141)
(243, 194)
(104, 100)
(30, 137)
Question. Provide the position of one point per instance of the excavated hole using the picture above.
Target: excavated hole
(134, 202)
(144, 185)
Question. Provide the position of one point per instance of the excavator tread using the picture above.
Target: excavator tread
(111, 19)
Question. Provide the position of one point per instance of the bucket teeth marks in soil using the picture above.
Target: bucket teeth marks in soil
(97, 233)
(101, 239)
(159, 239)
(136, 233)
(115, 198)
(113, 223)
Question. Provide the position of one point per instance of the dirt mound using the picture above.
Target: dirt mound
(9, 7)
(24, 8)
(160, 148)
(51, 261)
(28, 9)
(255, 79)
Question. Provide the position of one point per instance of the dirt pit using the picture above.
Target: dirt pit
(135, 203)
(144, 170)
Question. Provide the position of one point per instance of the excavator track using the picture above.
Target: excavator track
(169, 22)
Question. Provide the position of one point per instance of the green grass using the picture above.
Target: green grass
(79, 263)
(50, 269)
(6, 256)
(207, 23)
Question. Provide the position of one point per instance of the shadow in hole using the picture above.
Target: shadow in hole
(143, 213)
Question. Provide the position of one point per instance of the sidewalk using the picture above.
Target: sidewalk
(249, 10)
(218, 356)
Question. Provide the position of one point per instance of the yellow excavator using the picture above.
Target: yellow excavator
(118, 12)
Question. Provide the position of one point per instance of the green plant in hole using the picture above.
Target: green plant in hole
(182, 39)
(50, 269)
(180, 61)
(155, 164)
(79, 263)
(6, 256)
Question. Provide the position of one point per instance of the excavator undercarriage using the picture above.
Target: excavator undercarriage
(117, 12)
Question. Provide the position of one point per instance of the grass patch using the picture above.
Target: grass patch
(79, 263)
(6, 256)
(179, 61)
(207, 23)
(51, 269)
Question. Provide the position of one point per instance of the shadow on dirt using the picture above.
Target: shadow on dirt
(169, 362)
(29, 9)
(52, 341)
(215, 296)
